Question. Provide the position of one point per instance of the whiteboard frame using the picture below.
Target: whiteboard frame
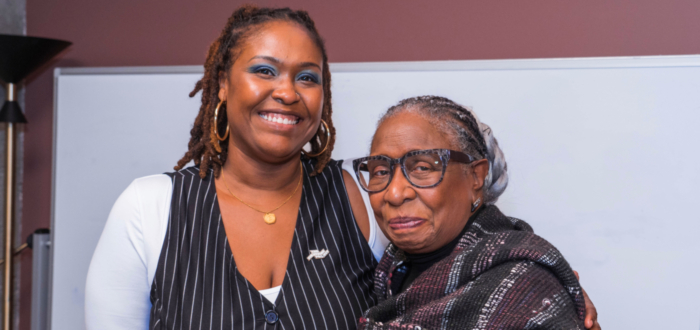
(409, 66)
(461, 65)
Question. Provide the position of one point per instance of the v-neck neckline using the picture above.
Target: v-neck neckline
(293, 249)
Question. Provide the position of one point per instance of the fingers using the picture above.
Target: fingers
(591, 320)
(595, 325)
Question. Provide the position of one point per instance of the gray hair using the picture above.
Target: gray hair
(467, 131)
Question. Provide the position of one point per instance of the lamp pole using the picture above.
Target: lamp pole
(9, 214)
(19, 56)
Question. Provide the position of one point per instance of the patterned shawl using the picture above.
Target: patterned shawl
(500, 276)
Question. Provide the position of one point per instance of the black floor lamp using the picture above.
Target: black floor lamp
(19, 56)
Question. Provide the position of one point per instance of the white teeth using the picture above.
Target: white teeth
(279, 119)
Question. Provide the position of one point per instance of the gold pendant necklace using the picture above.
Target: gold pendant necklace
(268, 217)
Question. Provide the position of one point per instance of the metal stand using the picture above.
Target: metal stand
(9, 217)
(20, 56)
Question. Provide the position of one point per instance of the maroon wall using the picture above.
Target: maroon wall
(178, 32)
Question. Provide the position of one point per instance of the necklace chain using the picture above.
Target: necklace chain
(269, 216)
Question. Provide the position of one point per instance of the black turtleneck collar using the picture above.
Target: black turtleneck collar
(420, 262)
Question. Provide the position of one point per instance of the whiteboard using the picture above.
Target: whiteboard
(602, 154)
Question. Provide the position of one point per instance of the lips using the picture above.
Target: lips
(279, 118)
(405, 222)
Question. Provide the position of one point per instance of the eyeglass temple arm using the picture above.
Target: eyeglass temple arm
(460, 157)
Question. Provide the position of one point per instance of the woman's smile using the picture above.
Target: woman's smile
(278, 118)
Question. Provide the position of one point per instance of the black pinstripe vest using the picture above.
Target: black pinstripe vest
(197, 284)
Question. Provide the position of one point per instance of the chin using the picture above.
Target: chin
(409, 242)
(279, 148)
(279, 155)
(411, 247)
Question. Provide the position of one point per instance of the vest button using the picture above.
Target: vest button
(271, 317)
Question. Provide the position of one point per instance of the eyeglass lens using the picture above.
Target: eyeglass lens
(423, 170)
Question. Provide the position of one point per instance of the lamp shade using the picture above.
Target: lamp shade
(21, 55)
(12, 113)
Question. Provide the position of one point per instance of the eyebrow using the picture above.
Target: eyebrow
(277, 61)
(267, 58)
(309, 64)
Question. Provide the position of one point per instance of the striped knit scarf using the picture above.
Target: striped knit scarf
(500, 276)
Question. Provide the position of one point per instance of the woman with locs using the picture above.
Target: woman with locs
(258, 234)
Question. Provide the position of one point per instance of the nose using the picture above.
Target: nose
(286, 92)
(399, 190)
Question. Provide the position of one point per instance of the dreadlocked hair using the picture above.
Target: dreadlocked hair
(467, 131)
(222, 53)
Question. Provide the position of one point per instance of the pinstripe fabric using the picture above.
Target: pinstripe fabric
(197, 284)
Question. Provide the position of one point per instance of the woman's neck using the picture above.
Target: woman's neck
(253, 173)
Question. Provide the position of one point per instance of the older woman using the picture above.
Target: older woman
(455, 261)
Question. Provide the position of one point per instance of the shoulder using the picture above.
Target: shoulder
(526, 285)
(496, 242)
(332, 166)
(187, 172)
(334, 163)
(187, 182)
(140, 217)
(142, 193)
(491, 220)
(505, 240)
(152, 184)
(145, 196)
(330, 178)
(153, 194)
(494, 231)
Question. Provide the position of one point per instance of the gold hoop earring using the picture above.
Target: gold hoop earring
(328, 140)
(215, 138)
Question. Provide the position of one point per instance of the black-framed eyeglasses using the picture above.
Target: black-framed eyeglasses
(422, 168)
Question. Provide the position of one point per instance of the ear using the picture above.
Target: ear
(223, 88)
(480, 169)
